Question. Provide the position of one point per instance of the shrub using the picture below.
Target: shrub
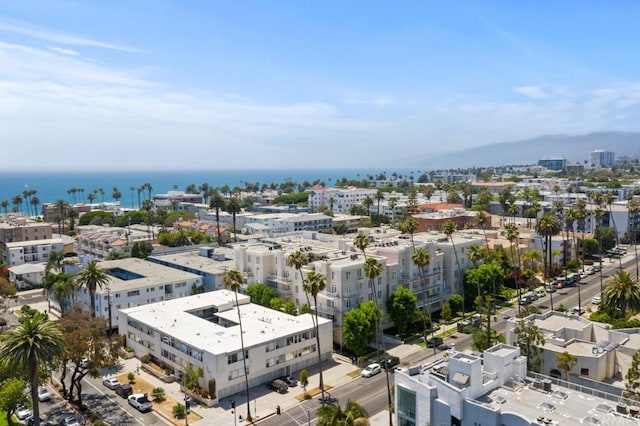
(158, 394)
(131, 377)
(128, 349)
(145, 358)
(179, 411)
(212, 388)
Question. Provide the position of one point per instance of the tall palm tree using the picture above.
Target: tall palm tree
(361, 242)
(421, 258)
(393, 202)
(132, 189)
(449, 228)
(5, 205)
(410, 226)
(17, 202)
(93, 277)
(547, 226)
(372, 270)
(332, 415)
(217, 202)
(233, 281)
(233, 207)
(512, 234)
(609, 199)
(482, 220)
(314, 284)
(61, 287)
(623, 293)
(36, 343)
(367, 203)
(633, 208)
(379, 197)
(55, 262)
(35, 202)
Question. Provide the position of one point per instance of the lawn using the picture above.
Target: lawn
(165, 407)
(3, 420)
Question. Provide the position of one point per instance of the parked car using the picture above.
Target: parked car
(70, 421)
(590, 270)
(124, 390)
(22, 412)
(584, 274)
(540, 292)
(524, 300)
(43, 394)
(30, 421)
(292, 382)
(371, 370)
(389, 362)
(596, 300)
(111, 382)
(140, 402)
(278, 386)
(435, 342)
(559, 285)
(577, 310)
(550, 289)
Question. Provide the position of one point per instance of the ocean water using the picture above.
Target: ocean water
(53, 186)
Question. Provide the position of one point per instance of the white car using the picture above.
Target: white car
(578, 311)
(111, 382)
(70, 421)
(371, 370)
(22, 412)
(596, 300)
(43, 394)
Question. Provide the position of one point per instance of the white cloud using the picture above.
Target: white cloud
(533, 92)
(59, 37)
(374, 101)
(64, 51)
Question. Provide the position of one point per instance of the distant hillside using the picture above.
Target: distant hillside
(573, 148)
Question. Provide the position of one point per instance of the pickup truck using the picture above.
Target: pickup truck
(140, 402)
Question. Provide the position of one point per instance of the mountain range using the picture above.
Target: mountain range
(574, 148)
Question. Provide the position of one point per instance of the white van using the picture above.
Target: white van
(540, 292)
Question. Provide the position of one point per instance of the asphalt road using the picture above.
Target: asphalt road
(371, 393)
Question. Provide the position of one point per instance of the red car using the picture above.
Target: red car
(558, 284)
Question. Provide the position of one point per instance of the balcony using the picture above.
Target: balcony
(279, 279)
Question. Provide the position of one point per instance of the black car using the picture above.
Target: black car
(292, 382)
(435, 342)
(278, 386)
(389, 362)
(124, 390)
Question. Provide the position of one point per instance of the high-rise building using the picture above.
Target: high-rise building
(553, 163)
(600, 158)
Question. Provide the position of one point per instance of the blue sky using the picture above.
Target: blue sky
(305, 84)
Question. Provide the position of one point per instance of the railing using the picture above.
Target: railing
(279, 278)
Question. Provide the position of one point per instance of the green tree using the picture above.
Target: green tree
(633, 377)
(261, 294)
(158, 394)
(547, 226)
(34, 345)
(359, 327)
(530, 340)
(455, 302)
(449, 228)
(11, 396)
(276, 304)
(565, 362)
(333, 415)
(93, 277)
(290, 308)
(304, 379)
(233, 207)
(606, 236)
(445, 312)
(179, 411)
(402, 307)
(622, 293)
(361, 242)
(590, 246)
(233, 281)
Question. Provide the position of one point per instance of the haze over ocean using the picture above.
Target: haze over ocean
(53, 186)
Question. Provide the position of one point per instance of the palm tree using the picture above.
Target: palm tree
(233, 207)
(332, 415)
(367, 203)
(609, 199)
(314, 284)
(421, 258)
(361, 242)
(55, 262)
(233, 281)
(392, 202)
(5, 205)
(217, 202)
(17, 202)
(512, 233)
(633, 208)
(379, 197)
(61, 287)
(449, 228)
(34, 345)
(410, 226)
(482, 220)
(132, 189)
(547, 226)
(35, 202)
(623, 293)
(92, 277)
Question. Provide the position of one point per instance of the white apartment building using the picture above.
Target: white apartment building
(101, 241)
(342, 265)
(204, 331)
(137, 282)
(493, 389)
(338, 200)
(291, 222)
(27, 276)
(603, 354)
(601, 158)
(173, 199)
(34, 251)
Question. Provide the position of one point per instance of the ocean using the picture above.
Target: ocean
(53, 186)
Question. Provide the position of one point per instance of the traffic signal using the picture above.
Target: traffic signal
(233, 403)
(277, 409)
(187, 404)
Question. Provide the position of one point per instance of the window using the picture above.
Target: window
(133, 293)
(348, 275)
(584, 371)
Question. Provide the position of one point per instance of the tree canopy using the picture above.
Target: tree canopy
(402, 307)
(359, 327)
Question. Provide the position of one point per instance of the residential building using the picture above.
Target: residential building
(451, 177)
(602, 159)
(276, 223)
(36, 251)
(17, 229)
(27, 276)
(210, 263)
(338, 200)
(102, 241)
(433, 221)
(172, 199)
(493, 388)
(203, 331)
(136, 282)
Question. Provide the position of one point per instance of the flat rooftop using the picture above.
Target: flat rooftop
(32, 243)
(193, 260)
(260, 325)
(143, 274)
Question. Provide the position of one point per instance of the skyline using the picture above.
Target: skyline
(149, 85)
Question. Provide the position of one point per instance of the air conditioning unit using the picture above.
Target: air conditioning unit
(537, 384)
(622, 409)
(546, 385)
